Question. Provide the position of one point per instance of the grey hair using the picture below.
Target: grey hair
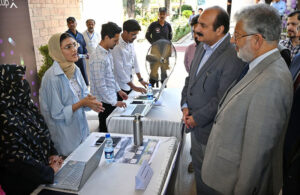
(262, 19)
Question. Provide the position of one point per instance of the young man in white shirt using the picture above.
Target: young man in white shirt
(103, 83)
(125, 59)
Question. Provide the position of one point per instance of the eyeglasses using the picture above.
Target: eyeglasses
(71, 46)
(237, 38)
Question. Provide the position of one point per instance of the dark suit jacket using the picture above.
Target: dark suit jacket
(295, 66)
(202, 92)
(291, 153)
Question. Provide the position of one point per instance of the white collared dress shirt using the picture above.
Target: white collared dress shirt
(125, 61)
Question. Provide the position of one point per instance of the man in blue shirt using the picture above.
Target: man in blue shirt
(280, 6)
(72, 24)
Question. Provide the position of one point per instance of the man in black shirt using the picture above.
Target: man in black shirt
(159, 29)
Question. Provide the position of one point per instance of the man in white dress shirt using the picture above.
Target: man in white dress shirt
(103, 83)
(91, 39)
(125, 59)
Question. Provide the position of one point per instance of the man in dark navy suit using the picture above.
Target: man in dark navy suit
(291, 153)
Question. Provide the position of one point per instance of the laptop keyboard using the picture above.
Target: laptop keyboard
(70, 174)
(138, 109)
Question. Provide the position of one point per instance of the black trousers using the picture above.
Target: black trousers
(154, 82)
(127, 92)
(103, 115)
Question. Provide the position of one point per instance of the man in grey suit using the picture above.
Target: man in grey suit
(244, 150)
(214, 67)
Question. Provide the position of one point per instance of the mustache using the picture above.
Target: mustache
(199, 34)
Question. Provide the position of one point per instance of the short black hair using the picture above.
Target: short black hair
(162, 9)
(64, 36)
(200, 9)
(131, 26)
(110, 29)
(222, 19)
(195, 20)
(90, 20)
(297, 12)
(71, 19)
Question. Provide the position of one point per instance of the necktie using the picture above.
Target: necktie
(244, 72)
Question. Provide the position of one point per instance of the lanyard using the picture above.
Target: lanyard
(89, 35)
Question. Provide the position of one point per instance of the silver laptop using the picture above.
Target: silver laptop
(143, 107)
(156, 92)
(74, 174)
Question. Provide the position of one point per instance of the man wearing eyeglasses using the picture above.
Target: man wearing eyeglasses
(214, 67)
(244, 150)
(82, 51)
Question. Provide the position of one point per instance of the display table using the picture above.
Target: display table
(162, 120)
(119, 178)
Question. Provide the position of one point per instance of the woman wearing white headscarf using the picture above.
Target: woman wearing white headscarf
(64, 96)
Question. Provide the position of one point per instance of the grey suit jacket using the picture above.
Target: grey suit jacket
(244, 150)
(202, 92)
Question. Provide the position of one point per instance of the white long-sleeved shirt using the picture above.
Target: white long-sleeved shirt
(103, 84)
(91, 40)
(125, 61)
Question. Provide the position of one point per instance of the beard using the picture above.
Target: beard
(291, 34)
(245, 53)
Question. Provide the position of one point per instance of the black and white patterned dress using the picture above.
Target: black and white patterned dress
(25, 143)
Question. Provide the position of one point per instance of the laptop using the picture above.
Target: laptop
(73, 175)
(143, 107)
(156, 92)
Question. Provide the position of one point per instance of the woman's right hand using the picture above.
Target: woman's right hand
(91, 102)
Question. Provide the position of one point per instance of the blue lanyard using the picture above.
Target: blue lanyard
(89, 35)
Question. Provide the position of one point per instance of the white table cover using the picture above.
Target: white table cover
(162, 120)
(119, 178)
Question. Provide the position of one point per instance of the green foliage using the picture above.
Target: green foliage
(187, 13)
(147, 19)
(186, 7)
(47, 61)
(181, 31)
(174, 17)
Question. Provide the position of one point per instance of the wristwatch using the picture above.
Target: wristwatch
(141, 79)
